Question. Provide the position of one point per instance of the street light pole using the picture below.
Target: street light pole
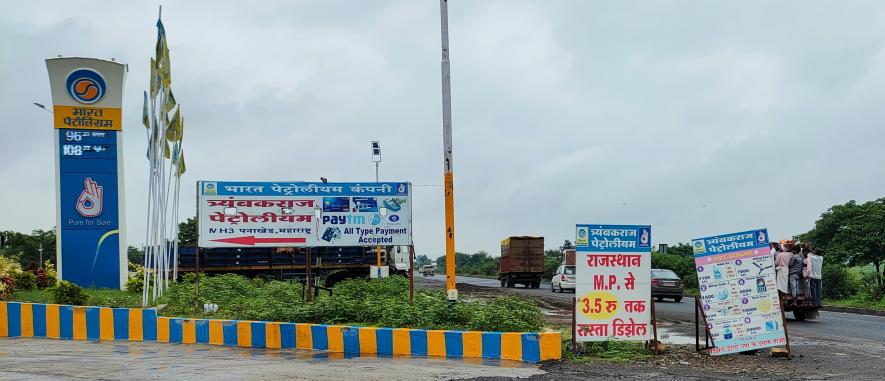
(41, 254)
(448, 175)
(376, 157)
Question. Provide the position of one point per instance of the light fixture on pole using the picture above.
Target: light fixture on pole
(376, 156)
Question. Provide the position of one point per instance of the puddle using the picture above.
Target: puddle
(667, 336)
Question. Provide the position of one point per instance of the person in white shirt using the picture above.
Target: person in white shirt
(816, 273)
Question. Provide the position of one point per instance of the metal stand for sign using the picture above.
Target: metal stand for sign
(411, 273)
(654, 327)
(699, 313)
(784, 322)
(574, 324)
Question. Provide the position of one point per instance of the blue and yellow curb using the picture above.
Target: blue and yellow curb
(135, 324)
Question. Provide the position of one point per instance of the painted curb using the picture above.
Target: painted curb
(135, 324)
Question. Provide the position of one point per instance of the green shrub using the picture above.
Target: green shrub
(378, 302)
(68, 293)
(25, 280)
(870, 289)
(839, 282)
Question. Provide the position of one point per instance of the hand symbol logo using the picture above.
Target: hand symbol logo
(89, 202)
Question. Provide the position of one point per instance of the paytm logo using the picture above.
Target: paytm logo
(344, 220)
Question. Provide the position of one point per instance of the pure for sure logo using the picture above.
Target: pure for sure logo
(86, 86)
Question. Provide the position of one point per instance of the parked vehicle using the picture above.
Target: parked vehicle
(563, 279)
(666, 284)
(522, 262)
(428, 270)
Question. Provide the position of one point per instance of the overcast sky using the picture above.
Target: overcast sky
(697, 118)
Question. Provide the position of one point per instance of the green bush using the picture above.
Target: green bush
(839, 282)
(870, 288)
(25, 280)
(69, 293)
(379, 302)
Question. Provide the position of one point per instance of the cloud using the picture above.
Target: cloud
(695, 119)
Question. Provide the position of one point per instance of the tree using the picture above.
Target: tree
(187, 232)
(422, 260)
(135, 255)
(566, 245)
(852, 234)
(25, 248)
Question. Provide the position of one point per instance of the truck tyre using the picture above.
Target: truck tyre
(536, 284)
(503, 282)
(677, 299)
(510, 282)
(799, 315)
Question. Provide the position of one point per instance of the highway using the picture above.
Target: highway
(851, 332)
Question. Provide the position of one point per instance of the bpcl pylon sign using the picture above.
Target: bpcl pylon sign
(87, 97)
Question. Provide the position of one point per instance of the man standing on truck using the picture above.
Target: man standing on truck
(817, 262)
(781, 263)
(797, 262)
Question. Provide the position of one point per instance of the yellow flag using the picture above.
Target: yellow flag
(167, 152)
(181, 167)
(154, 82)
(175, 129)
(170, 100)
(145, 118)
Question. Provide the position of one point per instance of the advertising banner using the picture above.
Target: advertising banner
(283, 214)
(738, 292)
(613, 282)
(87, 97)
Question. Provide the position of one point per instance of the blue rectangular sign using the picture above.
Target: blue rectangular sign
(89, 221)
(626, 238)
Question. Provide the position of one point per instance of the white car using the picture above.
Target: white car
(563, 279)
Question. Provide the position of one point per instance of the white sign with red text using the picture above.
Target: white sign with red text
(613, 283)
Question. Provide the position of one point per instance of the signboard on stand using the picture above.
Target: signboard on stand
(274, 214)
(87, 97)
(738, 293)
(613, 283)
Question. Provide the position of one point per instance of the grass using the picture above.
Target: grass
(97, 297)
(858, 302)
(613, 351)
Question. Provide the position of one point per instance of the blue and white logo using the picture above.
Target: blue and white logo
(376, 219)
(393, 218)
(86, 86)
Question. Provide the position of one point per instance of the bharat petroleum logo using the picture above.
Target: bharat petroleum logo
(86, 86)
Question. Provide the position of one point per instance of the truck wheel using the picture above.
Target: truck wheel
(510, 282)
(677, 299)
(503, 282)
(536, 284)
(799, 315)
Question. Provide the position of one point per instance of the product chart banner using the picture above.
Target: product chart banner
(738, 292)
(275, 214)
(613, 282)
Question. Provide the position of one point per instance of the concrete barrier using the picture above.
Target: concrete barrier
(135, 324)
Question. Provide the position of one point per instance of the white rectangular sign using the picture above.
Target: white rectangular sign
(283, 214)
(613, 283)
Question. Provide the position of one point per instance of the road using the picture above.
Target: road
(850, 332)
(43, 359)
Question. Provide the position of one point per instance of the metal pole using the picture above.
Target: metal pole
(574, 323)
(411, 273)
(197, 284)
(697, 334)
(309, 277)
(654, 327)
(41, 255)
(448, 174)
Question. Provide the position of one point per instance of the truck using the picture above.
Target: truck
(428, 270)
(522, 261)
(331, 264)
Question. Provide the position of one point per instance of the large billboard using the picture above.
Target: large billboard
(87, 96)
(613, 282)
(738, 291)
(274, 214)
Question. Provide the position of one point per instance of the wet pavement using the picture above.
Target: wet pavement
(47, 359)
